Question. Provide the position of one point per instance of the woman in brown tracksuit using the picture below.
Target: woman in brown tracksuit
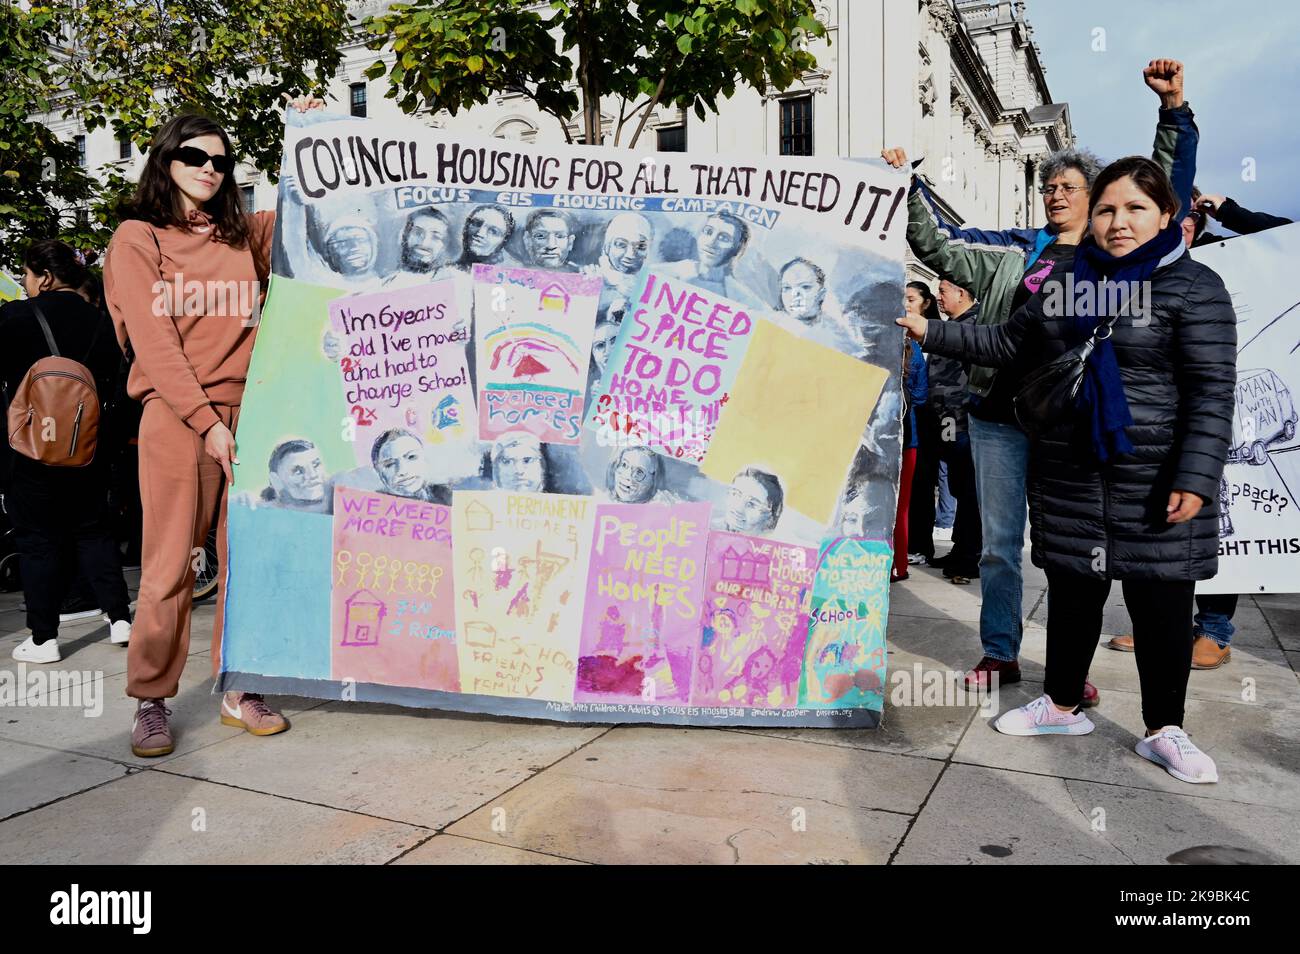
(182, 279)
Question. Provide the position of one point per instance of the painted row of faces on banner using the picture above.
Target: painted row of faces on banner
(840, 297)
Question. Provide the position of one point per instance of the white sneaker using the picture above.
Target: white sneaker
(1173, 751)
(76, 615)
(119, 633)
(46, 652)
(1040, 717)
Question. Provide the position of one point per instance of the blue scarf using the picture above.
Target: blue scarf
(1102, 403)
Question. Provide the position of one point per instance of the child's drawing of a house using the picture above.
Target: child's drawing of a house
(554, 297)
(362, 618)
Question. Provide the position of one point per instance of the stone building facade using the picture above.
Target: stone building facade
(959, 83)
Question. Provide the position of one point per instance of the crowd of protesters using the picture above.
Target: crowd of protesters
(1115, 487)
(1120, 485)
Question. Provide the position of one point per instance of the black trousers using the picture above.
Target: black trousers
(56, 511)
(1161, 612)
(925, 478)
(967, 532)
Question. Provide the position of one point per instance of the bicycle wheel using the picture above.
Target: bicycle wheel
(205, 581)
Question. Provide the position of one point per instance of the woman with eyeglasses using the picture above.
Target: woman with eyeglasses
(185, 243)
(1005, 269)
(1123, 484)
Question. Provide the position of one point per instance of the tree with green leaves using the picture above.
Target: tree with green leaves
(129, 65)
(454, 54)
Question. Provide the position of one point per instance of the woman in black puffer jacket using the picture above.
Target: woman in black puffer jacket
(1126, 488)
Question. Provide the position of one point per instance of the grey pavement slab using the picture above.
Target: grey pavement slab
(687, 796)
(154, 818)
(413, 765)
(31, 776)
(951, 643)
(1035, 819)
(1285, 622)
(930, 732)
(83, 653)
(455, 850)
(1256, 748)
(928, 595)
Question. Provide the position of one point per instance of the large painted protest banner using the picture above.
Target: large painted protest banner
(566, 433)
(1259, 497)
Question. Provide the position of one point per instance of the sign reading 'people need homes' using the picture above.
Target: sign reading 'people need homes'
(569, 433)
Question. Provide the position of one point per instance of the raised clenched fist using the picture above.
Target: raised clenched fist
(1165, 77)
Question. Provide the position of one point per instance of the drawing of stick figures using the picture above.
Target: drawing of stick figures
(476, 566)
(342, 560)
(363, 567)
(435, 575)
(378, 569)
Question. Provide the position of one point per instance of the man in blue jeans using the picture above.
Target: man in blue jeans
(1004, 269)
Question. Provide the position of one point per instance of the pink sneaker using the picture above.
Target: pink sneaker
(1040, 717)
(249, 711)
(151, 736)
(1172, 750)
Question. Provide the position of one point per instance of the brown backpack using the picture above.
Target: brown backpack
(54, 414)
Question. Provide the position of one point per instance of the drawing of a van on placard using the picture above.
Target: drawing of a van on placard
(1264, 415)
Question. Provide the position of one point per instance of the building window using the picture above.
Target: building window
(796, 126)
(80, 141)
(81, 217)
(672, 138)
(358, 99)
(247, 192)
(124, 149)
(518, 130)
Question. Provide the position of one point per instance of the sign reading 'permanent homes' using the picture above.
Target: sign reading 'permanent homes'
(571, 433)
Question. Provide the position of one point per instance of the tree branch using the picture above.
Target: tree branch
(650, 108)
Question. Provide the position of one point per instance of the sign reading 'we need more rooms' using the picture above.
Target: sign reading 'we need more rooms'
(568, 433)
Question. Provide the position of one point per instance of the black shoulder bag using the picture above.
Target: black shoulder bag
(1049, 394)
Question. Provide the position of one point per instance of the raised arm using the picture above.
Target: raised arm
(970, 257)
(1177, 137)
(1242, 221)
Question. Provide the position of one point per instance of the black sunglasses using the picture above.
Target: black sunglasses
(193, 156)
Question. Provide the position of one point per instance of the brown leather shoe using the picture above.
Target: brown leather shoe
(1122, 643)
(1207, 654)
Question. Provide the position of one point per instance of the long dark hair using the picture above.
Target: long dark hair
(158, 201)
(929, 304)
(58, 259)
(1146, 175)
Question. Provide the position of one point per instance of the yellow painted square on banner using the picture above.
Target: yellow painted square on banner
(798, 409)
